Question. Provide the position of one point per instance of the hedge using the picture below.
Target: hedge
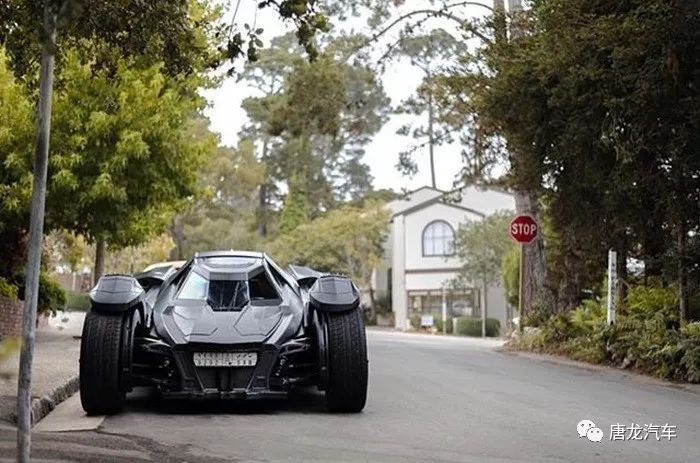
(78, 302)
(471, 326)
(466, 326)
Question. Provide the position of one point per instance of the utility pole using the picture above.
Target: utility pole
(36, 232)
(485, 308)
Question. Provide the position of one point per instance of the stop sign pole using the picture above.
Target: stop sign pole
(523, 229)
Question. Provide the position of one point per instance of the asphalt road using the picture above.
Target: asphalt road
(430, 399)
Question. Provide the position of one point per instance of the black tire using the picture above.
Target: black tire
(101, 387)
(346, 391)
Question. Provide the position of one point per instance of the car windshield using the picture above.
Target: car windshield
(229, 294)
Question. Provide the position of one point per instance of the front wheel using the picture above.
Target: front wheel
(346, 391)
(102, 350)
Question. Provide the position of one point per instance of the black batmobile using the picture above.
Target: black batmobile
(224, 325)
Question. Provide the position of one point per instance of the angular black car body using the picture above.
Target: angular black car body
(224, 325)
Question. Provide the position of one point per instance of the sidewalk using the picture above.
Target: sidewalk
(55, 369)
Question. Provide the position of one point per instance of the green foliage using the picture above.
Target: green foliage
(481, 247)
(510, 271)
(690, 346)
(51, 296)
(225, 215)
(294, 212)
(181, 33)
(439, 324)
(598, 105)
(8, 347)
(348, 240)
(187, 35)
(470, 326)
(382, 304)
(427, 53)
(646, 336)
(645, 302)
(8, 289)
(414, 320)
(78, 302)
(16, 140)
(313, 121)
(123, 159)
(465, 326)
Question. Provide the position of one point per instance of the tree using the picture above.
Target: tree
(266, 75)
(23, 19)
(428, 53)
(314, 120)
(599, 121)
(15, 149)
(347, 240)
(125, 158)
(187, 35)
(481, 247)
(134, 259)
(224, 216)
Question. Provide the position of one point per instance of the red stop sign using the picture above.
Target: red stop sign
(523, 228)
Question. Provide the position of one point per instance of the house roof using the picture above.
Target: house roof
(478, 201)
(438, 200)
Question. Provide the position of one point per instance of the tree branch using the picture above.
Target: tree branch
(443, 12)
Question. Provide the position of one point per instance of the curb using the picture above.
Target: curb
(567, 362)
(45, 404)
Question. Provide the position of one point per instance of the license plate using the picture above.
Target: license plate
(225, 359)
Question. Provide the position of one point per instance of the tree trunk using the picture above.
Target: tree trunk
(178, 233)
(100, 251)
(682, 272)
(500, 24)
(431, 135)
(534, 291)
(36, 227)
(372, 303)
(262, 195)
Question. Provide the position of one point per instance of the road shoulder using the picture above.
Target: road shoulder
(567, 362)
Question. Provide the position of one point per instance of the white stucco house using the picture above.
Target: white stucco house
(419, 259)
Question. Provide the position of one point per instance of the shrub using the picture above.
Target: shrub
(470, 326)
(588, 317)
(7, 289)
(647, 335)
(647, 301)
(382, 304)
(532, 338)
(415, 321)
(79, 302)
(538, 316)
(438, 323)
(690, 345)
(51, 295)
(367, 315)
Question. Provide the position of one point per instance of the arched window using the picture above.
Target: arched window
(438, 239)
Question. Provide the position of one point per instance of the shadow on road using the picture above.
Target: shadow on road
(303, 401)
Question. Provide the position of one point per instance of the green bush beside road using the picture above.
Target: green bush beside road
(647, 336)
(470, 326)
(78, 302)
(465, 326)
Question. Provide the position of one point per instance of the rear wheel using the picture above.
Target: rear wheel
(102, 355)
(346, 390)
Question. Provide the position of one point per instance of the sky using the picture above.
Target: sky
(400, 80)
